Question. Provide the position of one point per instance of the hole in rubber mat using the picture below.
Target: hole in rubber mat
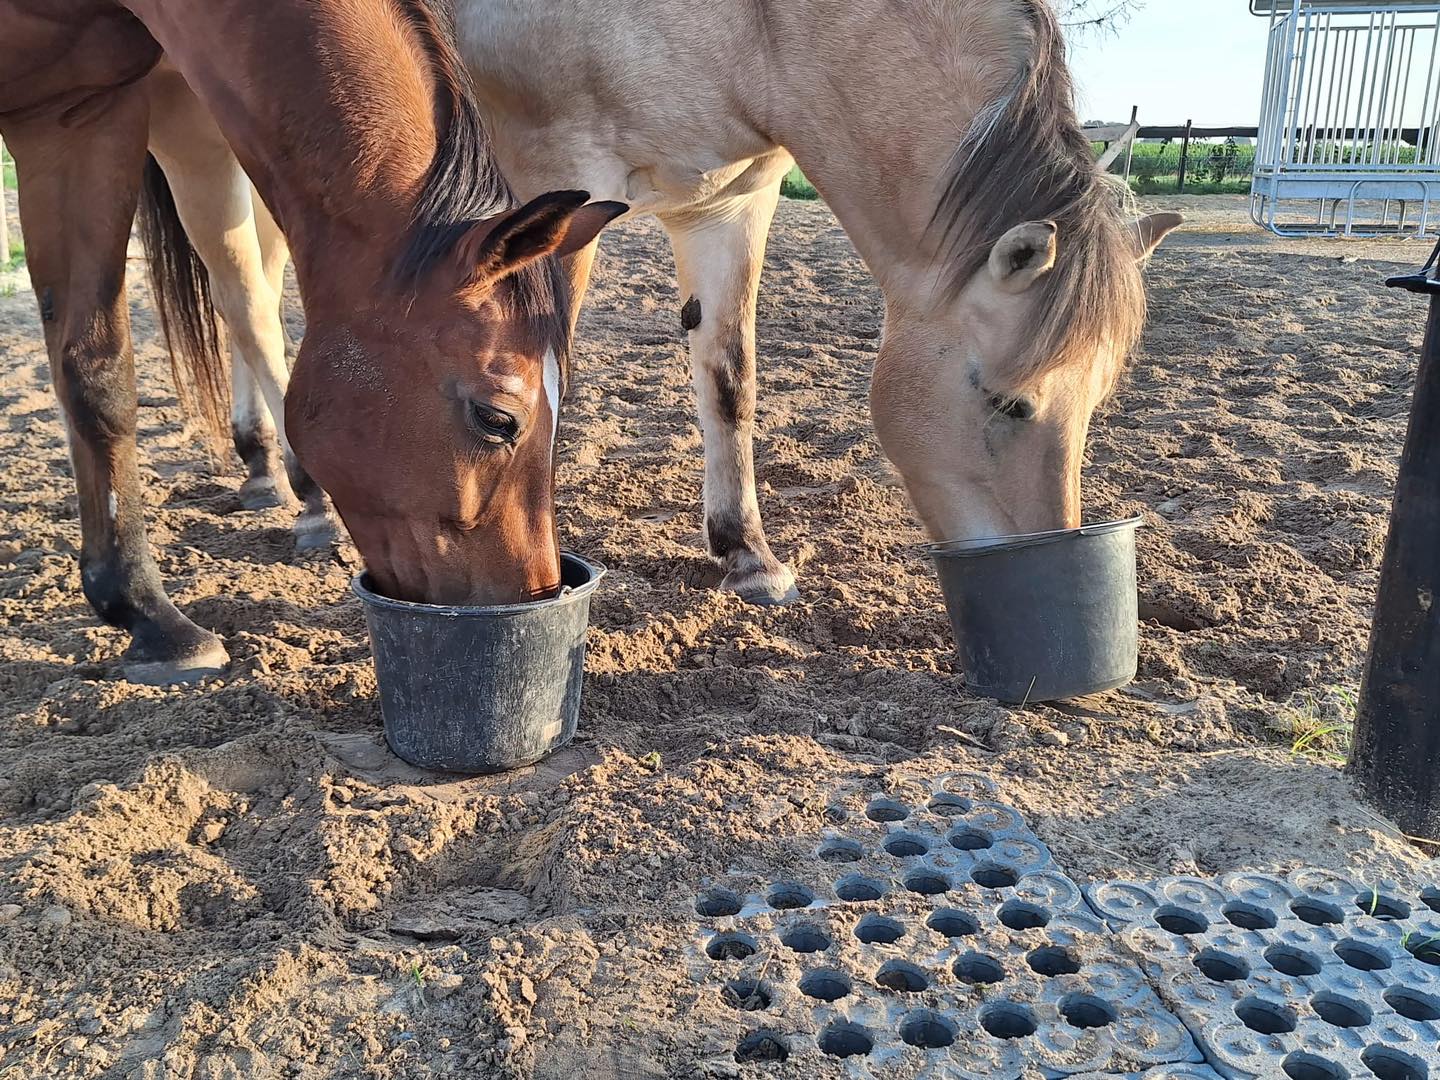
(1380, 906)
(1340, 1011)
(1288, 960)
(857, 889)
(826, 985)
(1424, 947)
(1249, 916)
(950, 805)
(805, 938)
(747, 995)
(903, 977)
(844, 1039)
(1362, 957)
(928, 1029)
(1018, 915)
(1316, 912)
(927, 883)
(1052, 961)
(971, 840)
(886, 810)
(906, 845)
(1430, 897)
(841, 851)
(977, 969)
(1087, 1011)
(1008, 1020)
(717, 903)
(1182, 921)
(731, 947)
(761, 1046)
(1412, 1004)
(878, 930)
(952, 923)
(1266, 1017)
(994, 876)
(1221, 966)
(1390, 1064)
(1302, 1066)
(789, 895)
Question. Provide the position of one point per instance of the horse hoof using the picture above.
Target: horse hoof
(205, 658)
(260, 494)
(314, 532)
(763, 588)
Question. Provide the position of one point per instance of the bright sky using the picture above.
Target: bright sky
(1179, 60)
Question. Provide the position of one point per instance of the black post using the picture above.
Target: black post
(1185, 154)
(1396, 754)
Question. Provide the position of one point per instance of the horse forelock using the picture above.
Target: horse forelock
(1025, 158)
(464, 185)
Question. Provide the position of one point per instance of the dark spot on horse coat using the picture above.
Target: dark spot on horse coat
(690, 315)
(728, 533)
(47, 305)
(735, 384)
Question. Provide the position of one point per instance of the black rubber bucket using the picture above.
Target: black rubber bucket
(1046, 616)
(481, 689)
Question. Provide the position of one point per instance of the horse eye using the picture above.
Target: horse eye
(492, 424)
(1014, 408)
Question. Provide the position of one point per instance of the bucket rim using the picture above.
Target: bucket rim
(568, 595)
(970, 549)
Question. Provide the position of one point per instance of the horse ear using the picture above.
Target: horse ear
(1023, 255)
(559, 223)
(1147, 232)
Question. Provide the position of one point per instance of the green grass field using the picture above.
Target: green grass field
(1213, 169)
(15, 257)
(795, 186)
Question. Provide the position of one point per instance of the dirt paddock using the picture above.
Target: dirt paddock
(239, 881)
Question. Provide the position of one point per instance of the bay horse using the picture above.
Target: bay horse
(425, 395)
(943, 135)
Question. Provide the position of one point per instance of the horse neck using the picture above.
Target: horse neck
(329, 106)
(873, 107)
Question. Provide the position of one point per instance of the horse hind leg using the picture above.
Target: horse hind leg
(79, 190)
(719, 255)
(213, 197)
(255, 440)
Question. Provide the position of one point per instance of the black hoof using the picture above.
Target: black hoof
(185, 655)
(764, 588)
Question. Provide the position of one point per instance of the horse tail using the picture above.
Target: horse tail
(181, 287)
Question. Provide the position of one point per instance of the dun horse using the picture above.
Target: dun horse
(425, 396)
(943, 136)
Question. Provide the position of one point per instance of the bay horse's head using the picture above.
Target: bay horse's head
(987, 379)
(431, 420)
(429, 411)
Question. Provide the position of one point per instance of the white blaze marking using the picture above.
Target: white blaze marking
(552, 395)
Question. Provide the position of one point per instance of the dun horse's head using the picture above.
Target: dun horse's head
(431, 419)
(983, 400)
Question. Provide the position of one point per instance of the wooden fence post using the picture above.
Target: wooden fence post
(1130, 149)
(4, 218)
(1185, 154)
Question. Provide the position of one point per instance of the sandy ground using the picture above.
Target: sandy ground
(239, 881)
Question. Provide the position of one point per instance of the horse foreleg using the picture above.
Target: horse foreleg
(719, 253)
(79, 187)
